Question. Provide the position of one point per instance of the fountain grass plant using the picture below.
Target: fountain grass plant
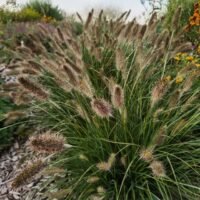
(131, 124)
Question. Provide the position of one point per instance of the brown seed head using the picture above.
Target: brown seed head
(147, 154)
(36, 90)
(47, 143)
(117, 96)
(28, 173)
(101, 107)
(157, 168)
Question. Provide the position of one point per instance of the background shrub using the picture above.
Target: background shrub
(27, 14)
(45, 8)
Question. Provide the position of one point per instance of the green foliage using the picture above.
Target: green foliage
(27, 14)
(23, 15)
(45, 8)
(6, 15)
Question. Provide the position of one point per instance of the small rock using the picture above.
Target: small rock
(3, 190)
(15, 158)
(16, 145)
(16, 196)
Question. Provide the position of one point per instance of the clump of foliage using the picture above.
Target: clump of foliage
(23, 15)
(45, 8)
(187, 12)
(27, 14)
(131, 124)
(6, 16)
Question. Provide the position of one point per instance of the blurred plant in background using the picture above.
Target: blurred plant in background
(45, 8)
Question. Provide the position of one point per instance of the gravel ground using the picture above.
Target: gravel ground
(11, 163)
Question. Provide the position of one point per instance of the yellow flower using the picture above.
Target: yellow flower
(168, 78)
(189, 58)
(184, 54)
(179, 54)
(177, 58)
(179, 79)
(198, 49)
(197, 65)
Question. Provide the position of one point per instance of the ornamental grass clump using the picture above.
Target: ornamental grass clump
(109, 92)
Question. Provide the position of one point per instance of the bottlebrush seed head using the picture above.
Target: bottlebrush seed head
(104, 166)
(111, 159)
(158, 91)
(47, 143)
(36, 90)
(101, 107)
(101, 190)
(157, 168)
(117, 97)
(93, 179)
(147, 154)
(28, 173)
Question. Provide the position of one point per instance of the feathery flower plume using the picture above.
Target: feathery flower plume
(47, 143)
(157, 168)
(174, 99)
(176, 18)
(127, 15)
(89, 19)
(184, 47)
(29, 71)
(60, 34)
(112, 159)
(106, 166)
(123, 160)
(36, 66)
(142, 31)
(103, 166)
(10, 86)
(129, 27)
(117, 96)
(158, 91)
(101, 107)
(119, 29)
(73, 78)
(188, 84)
(21, 98)
(79, 16)
(121, 16)
(101, 190)
(73, 66)
(135, 29)
(28, 173)
(147, 154)
(160, 136)
(121, 62)
(4, 94)
(152, 20)
(16, 113)
(83, 157)
(100, 16)
(82, 113)
(13, 66)
(27, 51)
(160, 38)
(13, 72)
(93, 179)
(36, 90)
